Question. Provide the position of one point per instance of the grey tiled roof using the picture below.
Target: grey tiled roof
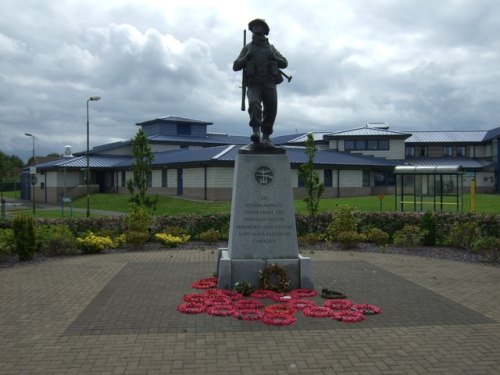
(174, 119)
(462, 136)
(368, 131)
(466, 163)
(95, 161)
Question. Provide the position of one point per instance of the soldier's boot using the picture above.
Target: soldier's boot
(255, 138)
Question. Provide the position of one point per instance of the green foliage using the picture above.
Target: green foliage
(463, 234)
(211, 236)
(410, 235)
(142, 172)
(489, 246)
(139, 225)
(171, 241)
(310, 238)
(175, 231)
(377, 236)
(244, 288)
(428, 224)
(6, 242)
(92, 244)
(349, 238)
(54, 240)
(24, 228)
(343, 221)
(312, 183)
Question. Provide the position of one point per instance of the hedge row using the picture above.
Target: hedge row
(390, 222)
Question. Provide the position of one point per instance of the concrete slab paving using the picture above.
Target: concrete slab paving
(116, 314)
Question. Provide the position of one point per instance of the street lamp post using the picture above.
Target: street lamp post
(92, 98)
(33, 175)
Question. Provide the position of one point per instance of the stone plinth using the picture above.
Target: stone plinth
(262, 229)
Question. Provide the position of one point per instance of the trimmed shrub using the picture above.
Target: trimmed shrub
(92, 244)
(350, 238)
(428, 224)
(139, 222)
(211, 236)
(410, 235)
(7, 243)
(176, 231)
(377, 236)
(489, 246)
(344, 221)
(171, 241)
(24, 228)
(463, 234)
(310, 239)
(54, 240)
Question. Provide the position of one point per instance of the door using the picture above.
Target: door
(179, 182)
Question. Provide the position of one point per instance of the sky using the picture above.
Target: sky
(416, 65)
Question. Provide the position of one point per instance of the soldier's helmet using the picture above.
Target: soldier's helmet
(259, 21)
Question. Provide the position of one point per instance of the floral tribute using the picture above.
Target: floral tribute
(281, 309)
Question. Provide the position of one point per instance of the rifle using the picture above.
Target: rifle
(243, 80)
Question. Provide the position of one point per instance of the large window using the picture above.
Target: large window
(448, 151)
(366, 144)
(366, 178)
(183, 129)
(164, 177)
(410, 151)
(461, 151)
(327, 175)
(423, 151)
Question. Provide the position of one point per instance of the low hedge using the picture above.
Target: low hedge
(389, 222)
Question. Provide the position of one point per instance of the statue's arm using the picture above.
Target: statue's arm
(282, 61)
(240, 62)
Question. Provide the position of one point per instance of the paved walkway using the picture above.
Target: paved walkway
(115, 314)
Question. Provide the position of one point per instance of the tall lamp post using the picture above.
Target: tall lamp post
(33, 171)
(93, 99)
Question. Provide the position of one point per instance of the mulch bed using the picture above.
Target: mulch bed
(439, 252)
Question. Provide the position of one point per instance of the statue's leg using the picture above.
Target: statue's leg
(255, 111)
(270, 100)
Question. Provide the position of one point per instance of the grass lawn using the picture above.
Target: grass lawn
(485, 203)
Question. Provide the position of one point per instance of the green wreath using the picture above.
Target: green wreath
(271, 273)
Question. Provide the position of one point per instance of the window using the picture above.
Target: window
(348, 145)
(448, 151)
(460, 150)
(164, 178)
(123, 179)
(372, 144)
(183, 129)
(423, 151)
(410, 151)
(360, 145)
(366, 178)
(327, 175)
(300, 182)
(383, 144)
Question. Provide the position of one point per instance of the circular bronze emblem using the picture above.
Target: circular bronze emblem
(264, 175)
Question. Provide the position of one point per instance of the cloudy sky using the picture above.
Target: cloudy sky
(416, 65)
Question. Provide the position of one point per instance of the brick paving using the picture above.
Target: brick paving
(115, 314)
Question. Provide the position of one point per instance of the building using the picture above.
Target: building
(192, 162)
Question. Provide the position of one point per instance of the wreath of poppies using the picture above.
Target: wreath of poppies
(221, 310)
(268, 275)
(318, 312)
(249, 314)
(348, 316)
(223, 303)
(278, 319)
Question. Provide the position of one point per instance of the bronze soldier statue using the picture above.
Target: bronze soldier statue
(261, 63)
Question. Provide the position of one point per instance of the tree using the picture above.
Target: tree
(142, 172)
(312, 183)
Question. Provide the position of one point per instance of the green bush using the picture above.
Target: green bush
(139, 222)
(24, 228)
(489, 246)
(428, 224)
(410, 235)
(54, 240)
(175, 231)
(169, 240)
(344, 221)
(463, 234)
(310, 239)
(211, 236)
(7, 246)
(349, 238)
(377, 236)
(92, 244)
